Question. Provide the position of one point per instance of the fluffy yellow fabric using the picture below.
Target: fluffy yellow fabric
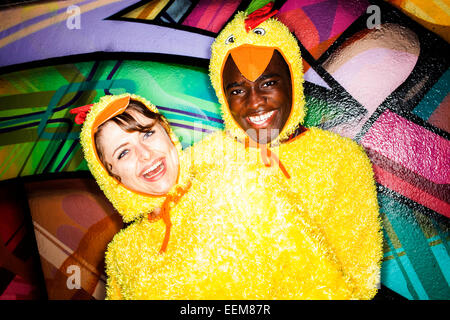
(277, 35)
(228, 241)
(333, 180)
(331, 175)
(245, 231)
(129, 204)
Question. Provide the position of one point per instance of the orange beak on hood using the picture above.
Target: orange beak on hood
(252, 60)
(113, 109)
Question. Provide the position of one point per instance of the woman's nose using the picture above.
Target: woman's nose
(144, 152)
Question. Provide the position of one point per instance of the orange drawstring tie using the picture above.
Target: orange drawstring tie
(165, 214)
(267, 156)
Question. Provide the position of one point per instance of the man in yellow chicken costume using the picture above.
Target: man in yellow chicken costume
(256, 71)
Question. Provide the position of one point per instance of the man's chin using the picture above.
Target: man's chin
(261, 139)
(263, 136)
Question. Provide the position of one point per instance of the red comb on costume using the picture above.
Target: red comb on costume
(81, 113)
(259, 16)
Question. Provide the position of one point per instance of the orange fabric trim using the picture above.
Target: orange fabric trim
(267, 156)
(252, 60)
(165, 214)
(110, 111)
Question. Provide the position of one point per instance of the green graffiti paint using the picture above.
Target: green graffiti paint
(421, 262)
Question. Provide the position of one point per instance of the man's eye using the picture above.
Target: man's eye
(236, 92)
(269, 83)
(122, 154)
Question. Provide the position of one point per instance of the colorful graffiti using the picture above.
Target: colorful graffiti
(385, 86)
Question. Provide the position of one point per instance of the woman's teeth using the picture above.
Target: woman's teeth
(153, 170)
(261, 118)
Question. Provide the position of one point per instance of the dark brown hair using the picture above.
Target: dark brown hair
(129, 124)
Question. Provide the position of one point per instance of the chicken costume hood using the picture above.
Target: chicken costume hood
(130, 204)
(251, 43)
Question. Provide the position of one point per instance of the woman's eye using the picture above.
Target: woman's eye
(236, 92)
(122, 154)
(148, 134)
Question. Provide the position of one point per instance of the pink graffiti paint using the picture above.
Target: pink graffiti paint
(211, 15)
(374, 74)
(18, 289)
(410, 145)
(346, 13)
(316, 23)
(406, 189)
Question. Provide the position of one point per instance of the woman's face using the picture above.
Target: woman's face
(146, 162)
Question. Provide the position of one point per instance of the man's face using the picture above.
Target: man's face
(263, 106)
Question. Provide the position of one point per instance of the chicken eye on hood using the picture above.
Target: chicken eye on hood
(230, 39)
(259, 31)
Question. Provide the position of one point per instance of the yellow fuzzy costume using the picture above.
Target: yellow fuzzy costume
(225, 242)
(330, 175)
(241, 229)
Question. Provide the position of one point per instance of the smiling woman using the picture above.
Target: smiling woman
(135, 148)
(133, 154)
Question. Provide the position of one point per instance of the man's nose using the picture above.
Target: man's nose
(255, 98)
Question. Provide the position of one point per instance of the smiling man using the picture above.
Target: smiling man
(257, 72)
(260, 106)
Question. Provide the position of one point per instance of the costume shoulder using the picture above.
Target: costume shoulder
(318, 152)
(327, 140)
(209, 150)
(345, 156)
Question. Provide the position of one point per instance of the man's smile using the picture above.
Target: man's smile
(262, 119)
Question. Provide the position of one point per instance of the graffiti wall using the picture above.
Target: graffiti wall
(375, 71)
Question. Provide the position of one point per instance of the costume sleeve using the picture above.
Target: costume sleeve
(353, 224)
(316, 263)
(132, 248)
(112, 287)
